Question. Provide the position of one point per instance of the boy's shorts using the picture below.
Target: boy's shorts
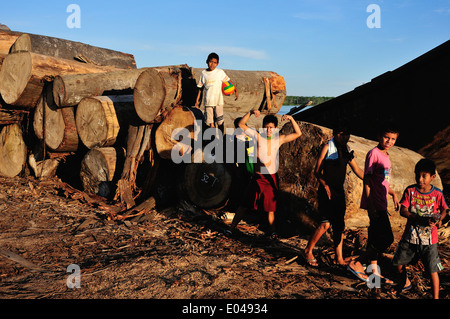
(332, 211)
(214, 114)
(380, 235)
(261, 193)
(408, 253)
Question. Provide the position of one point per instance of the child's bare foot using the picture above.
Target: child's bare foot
(340, 262)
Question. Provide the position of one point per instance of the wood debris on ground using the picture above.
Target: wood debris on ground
(176, 252)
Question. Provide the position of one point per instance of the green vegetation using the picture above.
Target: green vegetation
(299, 100)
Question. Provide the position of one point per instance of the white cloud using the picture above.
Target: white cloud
(313, 16)
(442, 11)
(192, 50)
(236, 51)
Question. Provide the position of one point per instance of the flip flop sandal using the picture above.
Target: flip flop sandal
(358, 274)
(310, 261)
(397, 293)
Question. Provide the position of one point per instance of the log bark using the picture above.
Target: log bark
(70, 89)
(23, 74)
(57, 125)
(72, 50)
(99, 170)
(101, 119)
(7, 39)
(13, 151)
(138, 141)
(8, 116)
(261, 90)
(45, 168)
(157, 89)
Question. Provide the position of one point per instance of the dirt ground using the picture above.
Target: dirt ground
(175, 253)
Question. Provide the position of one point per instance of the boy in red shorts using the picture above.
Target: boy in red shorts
(262, 190)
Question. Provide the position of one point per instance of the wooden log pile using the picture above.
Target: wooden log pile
(93, 112)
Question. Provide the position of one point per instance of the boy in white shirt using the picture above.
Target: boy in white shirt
(210, 82)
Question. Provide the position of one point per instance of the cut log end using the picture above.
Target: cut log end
(178, 118)
(157, 89)
(97, 122)
(13, 83)
(98, 170)
(149, 94)
(207, 185)
(60, 129)
(99, 119)
(13, 151)
(59, 91)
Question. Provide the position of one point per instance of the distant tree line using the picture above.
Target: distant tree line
(299, 100)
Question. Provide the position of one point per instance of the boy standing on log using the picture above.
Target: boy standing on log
(331, 171)
(377, 173)
(262, 190)
(210, 83)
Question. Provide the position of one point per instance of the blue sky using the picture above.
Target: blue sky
(321, 47)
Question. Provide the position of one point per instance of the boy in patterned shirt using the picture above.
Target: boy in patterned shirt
(424, 207)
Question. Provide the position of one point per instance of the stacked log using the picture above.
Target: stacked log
(79, 101)
(7, 39)
(70, 50)
(98, 119)
(99, 170)
(157, 89)
(70, 89)
(261, 90)
(13, 151)
(58, 125)
(23, 74)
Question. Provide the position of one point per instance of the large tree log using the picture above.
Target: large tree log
(101, 119)
(72, 50)
(13, 151)
(157, 89)
(70, 89)
(263, 90)
(23, 73)
(100, 169)
(58, 124)
(178, 118)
